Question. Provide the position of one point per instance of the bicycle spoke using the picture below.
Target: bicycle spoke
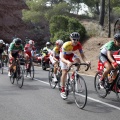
(80, 92)
(20, 77)
(100, 91)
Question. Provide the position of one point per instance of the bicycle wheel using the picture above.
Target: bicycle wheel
(32, 72)
(117, 26)
(20, 77)
(59, 80)
(80, 92)
(1, 66)
(100, 91)
(117, 89)
(12, 77)
(51, 77)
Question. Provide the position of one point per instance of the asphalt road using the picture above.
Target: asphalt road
(37, 101)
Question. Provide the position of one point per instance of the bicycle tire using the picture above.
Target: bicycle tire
(101, 92)
(80, 91)
(67, 86)
(20, 77)
(50, 76)
(12, 77)
(117, 89)
(1, 65)
(59, 81)
(116, 24)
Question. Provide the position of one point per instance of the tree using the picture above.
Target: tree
(102, 12)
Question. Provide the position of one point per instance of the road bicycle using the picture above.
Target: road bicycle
(113, 87)
(77, 86)
(17, 73)
(29, 68)
(117, 26)
(51, 77)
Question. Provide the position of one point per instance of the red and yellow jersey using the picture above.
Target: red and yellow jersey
(55, 52)
(68, 48)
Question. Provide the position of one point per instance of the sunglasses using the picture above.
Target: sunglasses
(17, 44)
(76, 39)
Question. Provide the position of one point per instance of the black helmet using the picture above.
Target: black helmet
(17, 41)
(75, 35)
(117, 36)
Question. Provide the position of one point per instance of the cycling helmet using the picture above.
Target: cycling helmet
(7, 44)
(59, 42)
(75, 35)
(1, 41)
(31, 42)
(47, 43)
(17, 41)
(117, 36)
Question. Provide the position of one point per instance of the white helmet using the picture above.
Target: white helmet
(7, 44)
(1, 41)
(47, 43)
(31, 42)
(59, 42)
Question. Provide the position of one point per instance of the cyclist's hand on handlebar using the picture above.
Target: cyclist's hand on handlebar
(88, 62)
(115, 65)
(69, 63)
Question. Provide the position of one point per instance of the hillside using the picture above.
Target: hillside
(92, 45)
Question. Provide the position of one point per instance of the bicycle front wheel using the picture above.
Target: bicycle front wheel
(51, 77)
(12, 77)
(100, 91)
(1, 66)
(80, 92)
(117, 89)
(20, 77)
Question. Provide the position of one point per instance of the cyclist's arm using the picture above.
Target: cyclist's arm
(10, 54)
(109, 55)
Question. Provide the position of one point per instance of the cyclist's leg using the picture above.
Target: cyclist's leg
(107, 69)
(63, 79)
(55, 67)
(27, 58)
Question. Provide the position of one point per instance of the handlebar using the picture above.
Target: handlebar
(76, 64)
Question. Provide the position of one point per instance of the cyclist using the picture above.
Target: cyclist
(54, 56)
(2, 47)
(46, 49)
(15, 49)
(67, 57)
(29, 50)
(106, 52)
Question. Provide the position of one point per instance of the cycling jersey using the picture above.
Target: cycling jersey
(109, 46)
(55, 52)
(2, 48)
(68, 48)
(28, 49)
(15, 49)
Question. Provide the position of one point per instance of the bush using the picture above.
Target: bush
(62, 26)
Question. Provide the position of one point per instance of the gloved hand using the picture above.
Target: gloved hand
(115, 65)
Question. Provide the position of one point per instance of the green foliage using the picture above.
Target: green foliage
(59, 9)
(62, 26)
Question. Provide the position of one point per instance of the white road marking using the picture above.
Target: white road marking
(104, 103)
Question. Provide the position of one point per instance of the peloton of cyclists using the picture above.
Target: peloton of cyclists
(67, 57)
(106, 57)
(15, 49)
(54, 56)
